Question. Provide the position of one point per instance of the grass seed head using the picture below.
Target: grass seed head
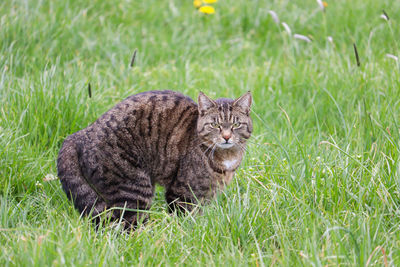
(302, 37)
(392, 57)
(274, 16)
(287, 28)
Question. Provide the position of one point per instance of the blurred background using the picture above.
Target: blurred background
(320, 183)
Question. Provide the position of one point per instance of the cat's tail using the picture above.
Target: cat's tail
(74, 184)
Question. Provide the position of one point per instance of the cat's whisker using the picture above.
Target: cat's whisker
(214, 145)
(202, 143)
(251, 142)
(200, 139)
(197, 139)
(242, 147)
(209, 148)
(212, 151)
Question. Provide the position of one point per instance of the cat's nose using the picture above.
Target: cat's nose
(226, 136)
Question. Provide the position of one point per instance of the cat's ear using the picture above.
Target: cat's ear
(205, 103)
(243, 102)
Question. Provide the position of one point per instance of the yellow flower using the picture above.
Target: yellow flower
(325, 3)
(210, 1)
(207, 10)
(197, 3)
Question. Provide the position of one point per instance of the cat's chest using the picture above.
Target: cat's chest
(230, 164)
(228, 167)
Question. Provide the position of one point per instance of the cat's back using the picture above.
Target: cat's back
(152, 110)
(155, 127)
(159, 103)
(151, 114)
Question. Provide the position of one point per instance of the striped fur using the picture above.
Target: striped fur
(154, 137)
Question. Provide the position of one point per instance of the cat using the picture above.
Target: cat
(155, 137)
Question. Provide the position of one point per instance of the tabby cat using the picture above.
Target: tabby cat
(154, 137)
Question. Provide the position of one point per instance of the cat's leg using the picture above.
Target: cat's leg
(178, 201)
(190, 187)
(131, 198)
(77, 188)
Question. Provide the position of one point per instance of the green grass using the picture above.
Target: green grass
(320, 184)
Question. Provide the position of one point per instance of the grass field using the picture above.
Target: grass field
(320, 185)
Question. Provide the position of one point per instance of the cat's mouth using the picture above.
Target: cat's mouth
(225, 145)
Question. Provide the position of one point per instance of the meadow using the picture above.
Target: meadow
(320, 183)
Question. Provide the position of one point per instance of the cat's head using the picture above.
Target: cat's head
(224, 123)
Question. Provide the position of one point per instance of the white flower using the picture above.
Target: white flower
(49, 177)
(330, 39)
(302, 37)
(274, 16)
(392, 57)
(287, 28)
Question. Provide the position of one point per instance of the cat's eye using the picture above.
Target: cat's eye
(215, 125)
(236, 125)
